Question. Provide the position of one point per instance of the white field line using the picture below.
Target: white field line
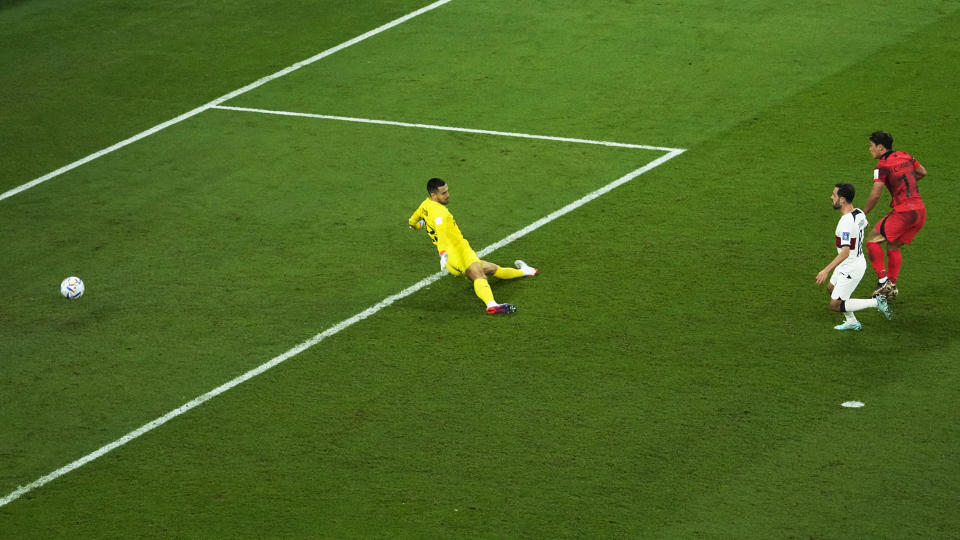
(579, 202)
(221, 99)
(444, 128)
(20, 491)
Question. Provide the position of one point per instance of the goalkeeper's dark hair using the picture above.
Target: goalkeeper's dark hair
(434, 184)
(847, 191)
(882, 138)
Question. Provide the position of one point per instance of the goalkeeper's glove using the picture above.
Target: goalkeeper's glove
(418, 225)
(443, 260)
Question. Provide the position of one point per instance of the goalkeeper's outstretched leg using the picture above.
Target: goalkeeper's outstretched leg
(478, 272)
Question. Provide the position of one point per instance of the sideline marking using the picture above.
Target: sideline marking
(221, 99)
(22, 490)
(442, 128)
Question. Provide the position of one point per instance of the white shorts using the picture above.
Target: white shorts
(845, 279)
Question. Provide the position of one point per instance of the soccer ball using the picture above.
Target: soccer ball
(71, 288)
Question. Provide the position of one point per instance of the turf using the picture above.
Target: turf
(671, 373)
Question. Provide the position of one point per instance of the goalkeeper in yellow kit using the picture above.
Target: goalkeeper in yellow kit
(456, 255)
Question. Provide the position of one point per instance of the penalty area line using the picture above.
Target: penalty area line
(221, 99)
(337, 328)
(442, 128)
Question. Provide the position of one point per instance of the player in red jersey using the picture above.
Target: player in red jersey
(899, 172)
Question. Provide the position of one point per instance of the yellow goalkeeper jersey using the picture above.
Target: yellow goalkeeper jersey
(440, 225)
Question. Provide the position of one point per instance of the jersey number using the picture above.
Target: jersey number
(906, 183)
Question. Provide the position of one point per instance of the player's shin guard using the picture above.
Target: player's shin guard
(894, 264)
(876, 258)
(507, 273)
(482, 288)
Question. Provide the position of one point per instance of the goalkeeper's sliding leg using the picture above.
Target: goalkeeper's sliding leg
(478, 273)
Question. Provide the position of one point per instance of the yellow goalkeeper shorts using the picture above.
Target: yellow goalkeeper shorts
(460, 258)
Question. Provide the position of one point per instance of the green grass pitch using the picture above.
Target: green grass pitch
(672, 373)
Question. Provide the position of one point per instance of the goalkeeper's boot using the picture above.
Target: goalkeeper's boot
(849, 326)
(506, 309)
(525, 268)
(883, 307)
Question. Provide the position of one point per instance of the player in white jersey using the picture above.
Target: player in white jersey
(849, 263)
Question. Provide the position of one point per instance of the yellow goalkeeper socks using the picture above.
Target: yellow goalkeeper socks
(482, 288)
(508, 273)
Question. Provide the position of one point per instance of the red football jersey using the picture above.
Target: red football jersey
(898, 171)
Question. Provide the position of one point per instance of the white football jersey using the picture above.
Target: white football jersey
(850, 233)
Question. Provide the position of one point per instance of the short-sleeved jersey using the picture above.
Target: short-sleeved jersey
(898, 171)
(850, 233)
(440, 225)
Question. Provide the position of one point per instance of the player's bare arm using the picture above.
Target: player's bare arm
(874, 197)
(920, 172)
(842, 256)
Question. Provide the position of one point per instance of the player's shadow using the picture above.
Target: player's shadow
(449, 295)
(455, 295)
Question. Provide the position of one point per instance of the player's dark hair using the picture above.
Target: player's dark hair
(882, 138)
(847, 191)
(435, 184)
